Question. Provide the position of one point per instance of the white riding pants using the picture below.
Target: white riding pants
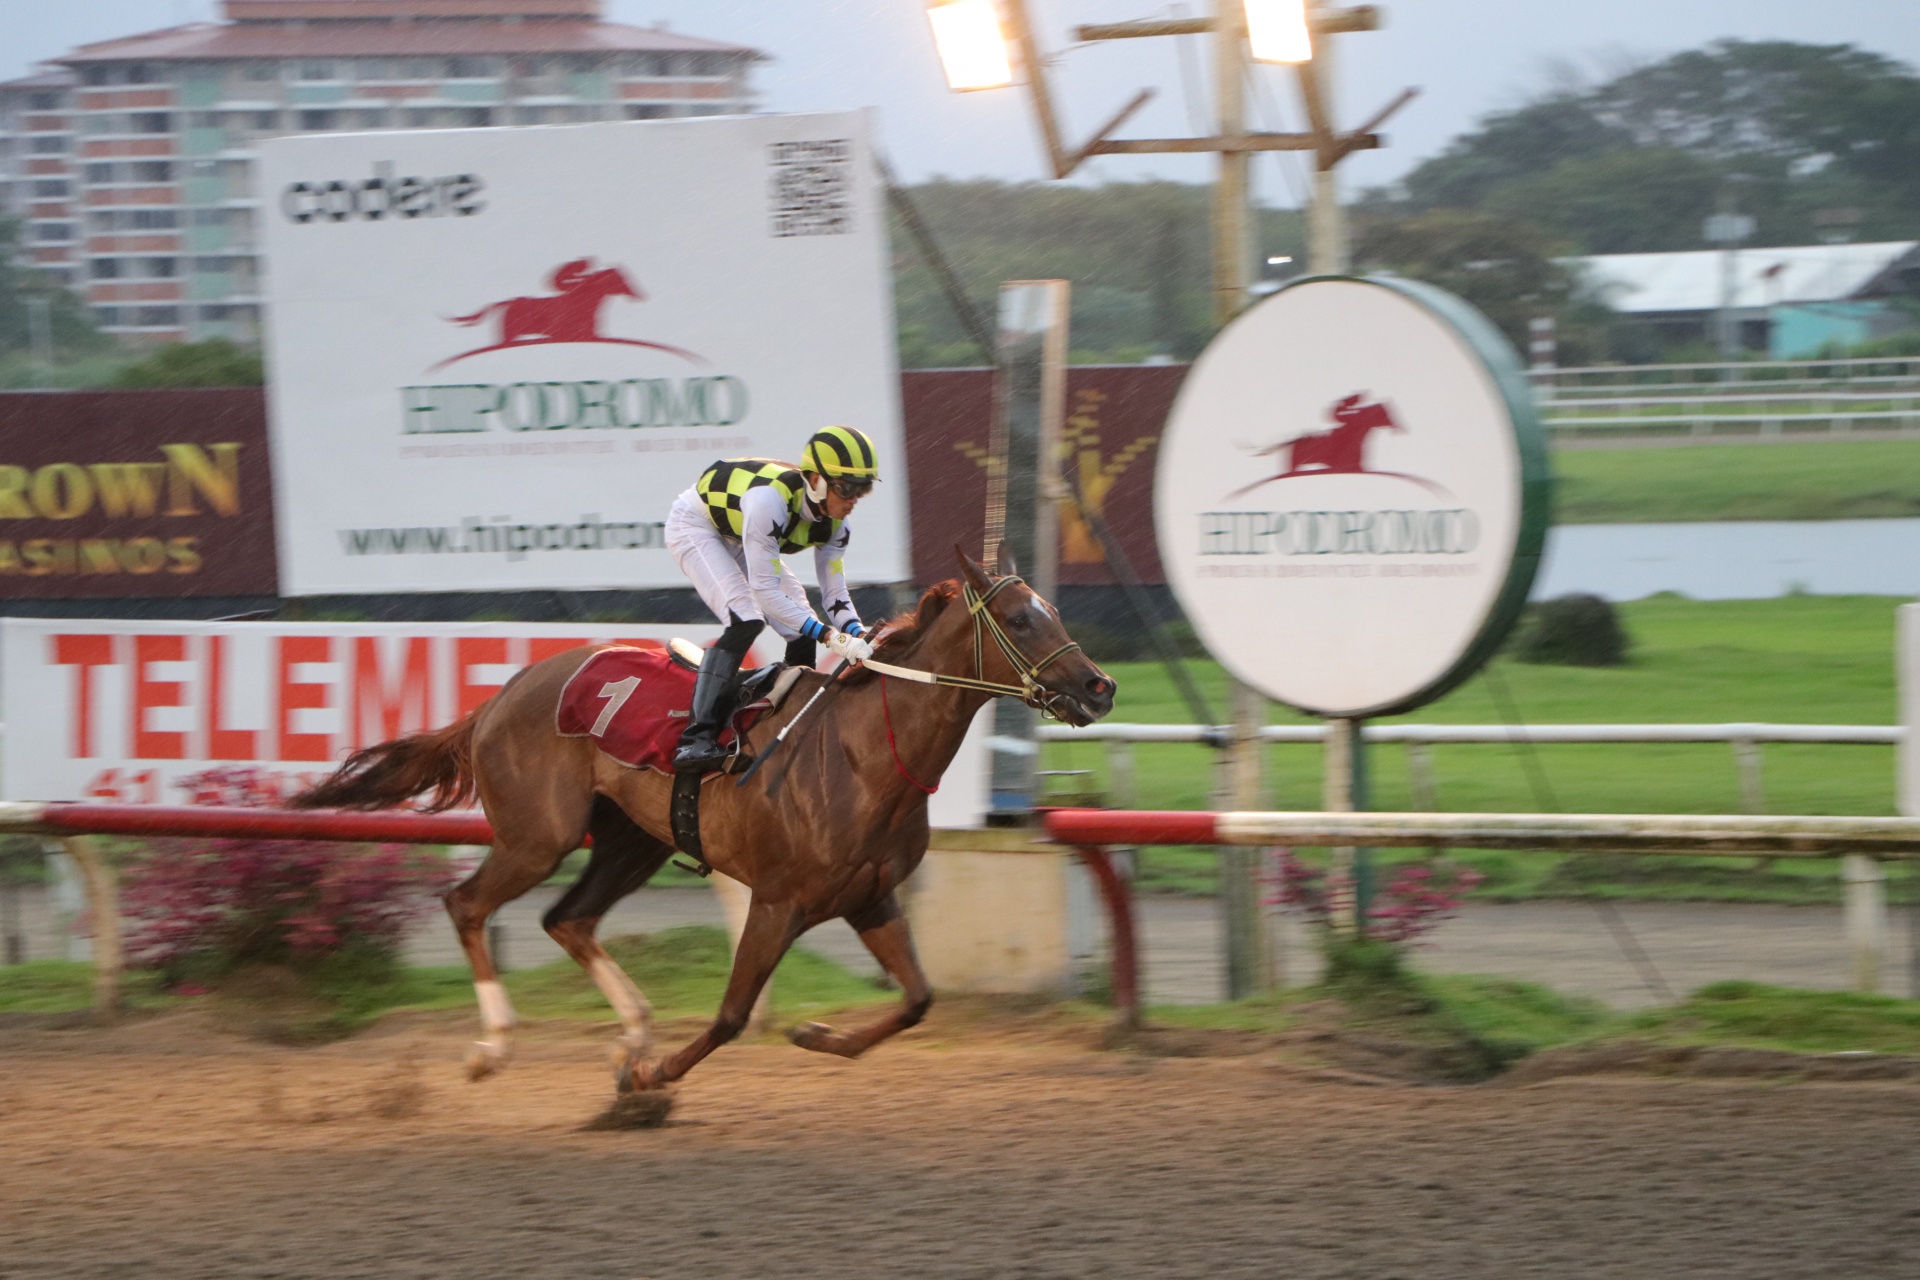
(717, 565)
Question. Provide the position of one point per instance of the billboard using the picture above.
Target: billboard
(1110, 443)
(124, 711)
(1352, 494)
(134, 494)
(499, 354)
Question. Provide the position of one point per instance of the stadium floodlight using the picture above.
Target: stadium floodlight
(1277, 31)
(972, 45)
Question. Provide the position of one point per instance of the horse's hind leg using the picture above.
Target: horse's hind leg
(624, 858)
(883, 928)
(770, 930)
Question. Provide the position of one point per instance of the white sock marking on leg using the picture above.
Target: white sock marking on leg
(496, 1011)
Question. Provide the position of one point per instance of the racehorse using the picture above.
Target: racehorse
(828, 827)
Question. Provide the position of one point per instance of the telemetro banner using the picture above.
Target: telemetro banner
(130, 711)
(102, 709)
(499, 354)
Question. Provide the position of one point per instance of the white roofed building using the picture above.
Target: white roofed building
(1789, 301)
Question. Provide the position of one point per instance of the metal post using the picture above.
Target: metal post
(1249, 947)
(1344, 790)
(1866, 919)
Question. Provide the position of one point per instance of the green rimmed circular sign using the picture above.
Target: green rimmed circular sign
(1352, 494)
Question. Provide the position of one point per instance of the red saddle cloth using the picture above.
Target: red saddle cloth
(633, 702)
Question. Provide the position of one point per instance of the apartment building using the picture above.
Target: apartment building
(36, 183)
(131, 161)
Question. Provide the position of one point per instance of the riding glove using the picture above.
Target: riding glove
(852, 648)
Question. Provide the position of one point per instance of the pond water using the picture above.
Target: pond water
(1734, 560)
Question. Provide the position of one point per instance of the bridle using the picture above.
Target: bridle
(1029, 690)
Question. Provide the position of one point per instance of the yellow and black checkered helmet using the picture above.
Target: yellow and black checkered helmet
(841, 452)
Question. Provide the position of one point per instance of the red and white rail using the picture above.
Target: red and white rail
(1865, 842)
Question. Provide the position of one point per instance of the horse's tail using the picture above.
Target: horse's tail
(477, 316)
(384, 775)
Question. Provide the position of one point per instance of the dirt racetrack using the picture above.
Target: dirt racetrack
(165, 1148)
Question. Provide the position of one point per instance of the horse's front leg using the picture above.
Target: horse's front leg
(769, 931)
(883, 928)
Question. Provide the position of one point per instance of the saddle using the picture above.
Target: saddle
(634, 703)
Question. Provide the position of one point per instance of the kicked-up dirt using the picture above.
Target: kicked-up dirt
(968, 1148)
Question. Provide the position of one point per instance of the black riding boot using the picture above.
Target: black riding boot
(713, 697)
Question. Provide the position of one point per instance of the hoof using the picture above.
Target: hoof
(645, 1110)
(638, 1077)
(820, 1038)
(625, 1057)
(484, 1060)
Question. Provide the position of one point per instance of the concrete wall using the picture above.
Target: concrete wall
(990, 913)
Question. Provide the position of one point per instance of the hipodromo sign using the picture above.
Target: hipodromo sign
(1353, 494)
(595, 296)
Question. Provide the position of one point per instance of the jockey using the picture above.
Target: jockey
(728, 534)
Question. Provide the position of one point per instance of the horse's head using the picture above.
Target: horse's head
(1075, 688)
(615, 283)
(1365, 417)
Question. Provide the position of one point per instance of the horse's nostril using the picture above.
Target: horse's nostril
(1100, 686)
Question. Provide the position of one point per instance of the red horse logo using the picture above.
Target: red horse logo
(570, 314)
(1339, 452)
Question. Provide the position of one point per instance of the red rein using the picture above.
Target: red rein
(887, 711)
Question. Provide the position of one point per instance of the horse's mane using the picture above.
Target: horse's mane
(898, 639)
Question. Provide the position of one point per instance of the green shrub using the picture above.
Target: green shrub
(1573, 631)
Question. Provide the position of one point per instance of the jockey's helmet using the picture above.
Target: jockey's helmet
(844, 459)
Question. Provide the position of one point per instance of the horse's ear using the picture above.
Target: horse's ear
(972, 570)
(1003, 563)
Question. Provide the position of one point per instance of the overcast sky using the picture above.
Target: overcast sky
(1467, 57)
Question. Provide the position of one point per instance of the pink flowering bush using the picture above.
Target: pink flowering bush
(1414, 900)
(206, 907)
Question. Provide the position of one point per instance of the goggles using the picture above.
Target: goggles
(852, 488)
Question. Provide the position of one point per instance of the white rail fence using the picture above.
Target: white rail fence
(1820, 398)
(1745, 740)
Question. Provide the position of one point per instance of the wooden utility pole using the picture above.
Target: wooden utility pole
(1251, 960)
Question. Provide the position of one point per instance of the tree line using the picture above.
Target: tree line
(1815, 142)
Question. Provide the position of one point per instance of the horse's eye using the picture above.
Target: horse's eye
(1021, 622)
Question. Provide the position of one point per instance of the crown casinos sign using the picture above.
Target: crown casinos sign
(1352, 494)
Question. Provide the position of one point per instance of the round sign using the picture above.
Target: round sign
(1352, 493)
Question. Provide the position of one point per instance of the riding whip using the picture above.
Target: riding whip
(786, 729)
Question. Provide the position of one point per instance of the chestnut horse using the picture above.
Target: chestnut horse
(829, 827)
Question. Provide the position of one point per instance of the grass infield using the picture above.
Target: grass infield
(1805, 659)
(1825, 480)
